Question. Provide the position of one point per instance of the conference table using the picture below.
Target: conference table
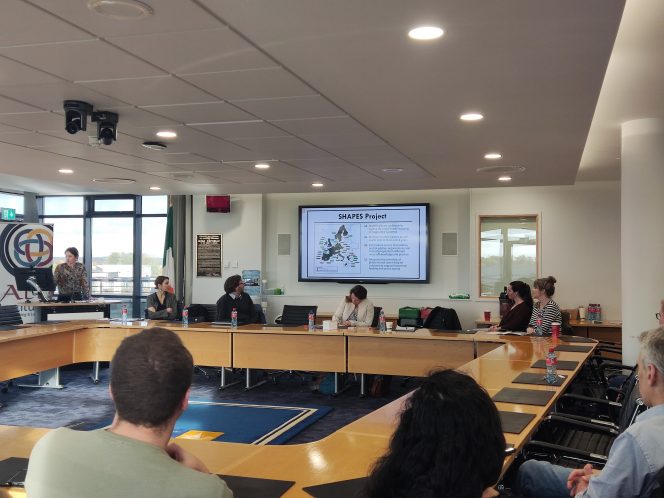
(493, 360)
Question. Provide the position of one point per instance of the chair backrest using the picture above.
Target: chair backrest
(9, 315)
(565, 327)
(210, 312)
(296, 315)
(442, 319)
(260, 313)
(632, 404)
(374, 320)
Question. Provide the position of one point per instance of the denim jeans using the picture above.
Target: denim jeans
(537, 479)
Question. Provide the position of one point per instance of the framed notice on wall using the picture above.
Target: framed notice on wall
(208, 255)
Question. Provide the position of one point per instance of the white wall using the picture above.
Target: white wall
(242, 241)
(580, 245)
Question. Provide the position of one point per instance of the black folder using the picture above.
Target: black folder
(573, 349)
(562, 365)
(537, 378)
(523, 396)
(253, 487)
(514, 422)
(13, 471)
(350, 488)
(575, 338)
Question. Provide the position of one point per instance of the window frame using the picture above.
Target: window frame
(482, 217)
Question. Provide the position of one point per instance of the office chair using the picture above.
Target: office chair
(374, 320)
(292, 315)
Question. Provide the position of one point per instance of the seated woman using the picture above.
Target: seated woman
(235, 297)
(518, 316)
(449, 443)
(547, 310)
(161, 305)
(355, 310)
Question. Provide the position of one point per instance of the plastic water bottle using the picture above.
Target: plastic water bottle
(538, 327)
(234, 318)
(381, 322)
(185, 317)
(124, 314)
(312, 320)
(551, 367)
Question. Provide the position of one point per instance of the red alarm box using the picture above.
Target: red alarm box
(218, 203)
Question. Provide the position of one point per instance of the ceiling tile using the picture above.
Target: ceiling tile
(252, 129)
(138, 117)
(186, 158)
(277, 170)
(334, 168)
(168, 16)
(14, 74)
(82, 61)
(240, 176)
(36, 121)
(205, 112)
(337, 125)
(282, 147)
(50, 96)
(44, 28)
(334, 143)
(42, 141)
(11, 129)
(11, 106)
(150, 91)
(250, 84)
(192, 177)
(195, 51)
(311, 106)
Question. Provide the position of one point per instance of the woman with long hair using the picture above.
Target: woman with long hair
(449, 443)
(518, 316)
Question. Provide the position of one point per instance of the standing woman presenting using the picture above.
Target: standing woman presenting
(355, 310)
(547, 310)
(71, 278)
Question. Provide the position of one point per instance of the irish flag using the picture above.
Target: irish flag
(168, 262)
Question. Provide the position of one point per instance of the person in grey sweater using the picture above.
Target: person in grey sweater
(161, 305)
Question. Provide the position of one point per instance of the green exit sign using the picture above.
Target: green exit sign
(8, 214)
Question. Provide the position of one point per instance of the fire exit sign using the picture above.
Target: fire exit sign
(8, 214)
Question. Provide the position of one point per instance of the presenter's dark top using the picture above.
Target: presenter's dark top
(246, 312)
(516, 319)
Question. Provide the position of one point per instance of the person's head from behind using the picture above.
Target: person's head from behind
(151, 373)
(522, 290)
(651, 366)
(357, 294)
(235, 284)
(71, 255)
(449, 443)
(162, 283)
(545, 287)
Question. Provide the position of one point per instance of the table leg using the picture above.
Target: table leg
(49, 379)
(95, 372)
(248, 385)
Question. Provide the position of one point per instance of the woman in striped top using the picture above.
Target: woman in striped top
(547, 310)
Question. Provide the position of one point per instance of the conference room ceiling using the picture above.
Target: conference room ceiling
(323, 91)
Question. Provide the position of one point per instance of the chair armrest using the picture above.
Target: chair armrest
(558, 418)
(581, 418)
(565, 449)
(590, 399)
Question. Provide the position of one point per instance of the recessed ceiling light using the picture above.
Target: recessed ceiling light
(154, 145)
(317, 185)
(504, 178)
(166, 134)
(118, 181)
(262, 165)
(471, 116)
(392, 170)
(154, 187)
(425, 33)
(493, 155)
(121, 10)
(66, 171)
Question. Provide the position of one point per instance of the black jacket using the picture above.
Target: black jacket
(246, 312)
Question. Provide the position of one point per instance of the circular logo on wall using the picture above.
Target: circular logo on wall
(26, 246)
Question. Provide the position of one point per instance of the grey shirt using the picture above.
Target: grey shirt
(169, 302)
(79, 464)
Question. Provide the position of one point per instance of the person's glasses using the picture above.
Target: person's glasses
(657, 315)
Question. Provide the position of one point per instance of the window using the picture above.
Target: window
(508, 252)
(13, 201)
(123, 236)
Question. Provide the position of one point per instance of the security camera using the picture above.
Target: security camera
(106, 126)
(76, 115)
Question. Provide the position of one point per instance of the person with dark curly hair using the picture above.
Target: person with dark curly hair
(235, 297)
(449, 443)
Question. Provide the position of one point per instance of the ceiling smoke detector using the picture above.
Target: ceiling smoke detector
(154, 145)
(121, 10)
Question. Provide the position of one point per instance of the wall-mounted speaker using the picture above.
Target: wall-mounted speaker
(283, 244)
(218, 203)
(449, 243)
